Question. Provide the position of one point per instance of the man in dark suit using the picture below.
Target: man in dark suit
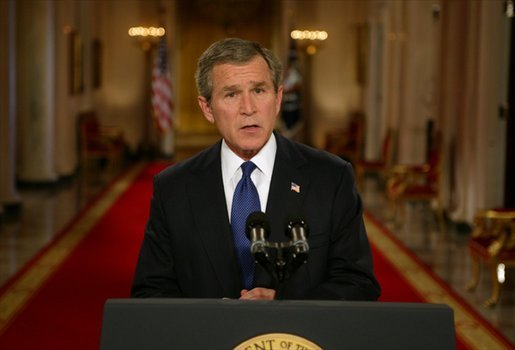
(189, 249)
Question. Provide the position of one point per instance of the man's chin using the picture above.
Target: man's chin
(248, 151)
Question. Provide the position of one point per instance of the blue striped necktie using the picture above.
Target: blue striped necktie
(245, 202)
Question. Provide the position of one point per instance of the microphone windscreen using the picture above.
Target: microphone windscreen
(257, 219)
(295, 222)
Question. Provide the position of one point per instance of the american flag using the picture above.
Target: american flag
(295, 187)
(291, 110)
(162, 101)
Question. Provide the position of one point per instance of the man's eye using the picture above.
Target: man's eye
(259, 90)
(230, 94)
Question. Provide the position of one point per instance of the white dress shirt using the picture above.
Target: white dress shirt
(261, 176)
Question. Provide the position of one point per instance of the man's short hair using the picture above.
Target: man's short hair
(234, 51)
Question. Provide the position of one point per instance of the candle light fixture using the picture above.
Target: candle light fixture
(146, 35)
(310, 39)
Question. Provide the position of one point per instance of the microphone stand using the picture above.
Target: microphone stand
(284, 265)
(289, 255)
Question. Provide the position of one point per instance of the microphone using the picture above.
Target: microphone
(297, 231)
(258, 231)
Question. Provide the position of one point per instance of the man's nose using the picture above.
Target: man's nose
(247, 104)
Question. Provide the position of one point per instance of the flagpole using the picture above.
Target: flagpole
(145, 147)
(163, 98)
(167, 139)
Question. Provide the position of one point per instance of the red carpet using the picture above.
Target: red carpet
(56, 301)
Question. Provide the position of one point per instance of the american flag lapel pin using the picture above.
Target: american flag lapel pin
(295, 187)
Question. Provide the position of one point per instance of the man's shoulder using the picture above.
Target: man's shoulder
(309, 155)
(324, 169)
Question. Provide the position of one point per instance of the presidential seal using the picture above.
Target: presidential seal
(277, 341)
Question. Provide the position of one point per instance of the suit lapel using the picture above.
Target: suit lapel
(287, 189)
(284, 202)
(207, 197)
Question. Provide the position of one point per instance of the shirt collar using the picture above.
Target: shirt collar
(264, 159)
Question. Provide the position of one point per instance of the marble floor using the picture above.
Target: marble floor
(47, 210)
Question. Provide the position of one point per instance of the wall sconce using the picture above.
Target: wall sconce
(146, 35)
(509, 8)
(311, 37)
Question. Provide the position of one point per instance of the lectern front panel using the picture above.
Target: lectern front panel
(159, 324)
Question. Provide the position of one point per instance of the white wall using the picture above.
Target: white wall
(121, 101)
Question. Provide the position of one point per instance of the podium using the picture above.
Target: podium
(159, 324)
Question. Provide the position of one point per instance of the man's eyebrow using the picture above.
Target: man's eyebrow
(236, 87)
(231, 88)
(259, 83)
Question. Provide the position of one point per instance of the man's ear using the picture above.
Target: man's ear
(279, 98)
(206, 109)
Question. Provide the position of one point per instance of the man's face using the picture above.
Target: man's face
(244, 105)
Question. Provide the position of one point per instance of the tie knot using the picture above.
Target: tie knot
(247, 168)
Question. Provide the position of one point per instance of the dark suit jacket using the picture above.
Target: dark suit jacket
(188, 251)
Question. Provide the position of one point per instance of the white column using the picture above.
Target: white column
(35, 92)
(492, 85)
(8, 194)
(481, 135)
(419, 86)
(452, 95)
(392, 69)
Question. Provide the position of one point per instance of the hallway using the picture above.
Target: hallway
(46, 211)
